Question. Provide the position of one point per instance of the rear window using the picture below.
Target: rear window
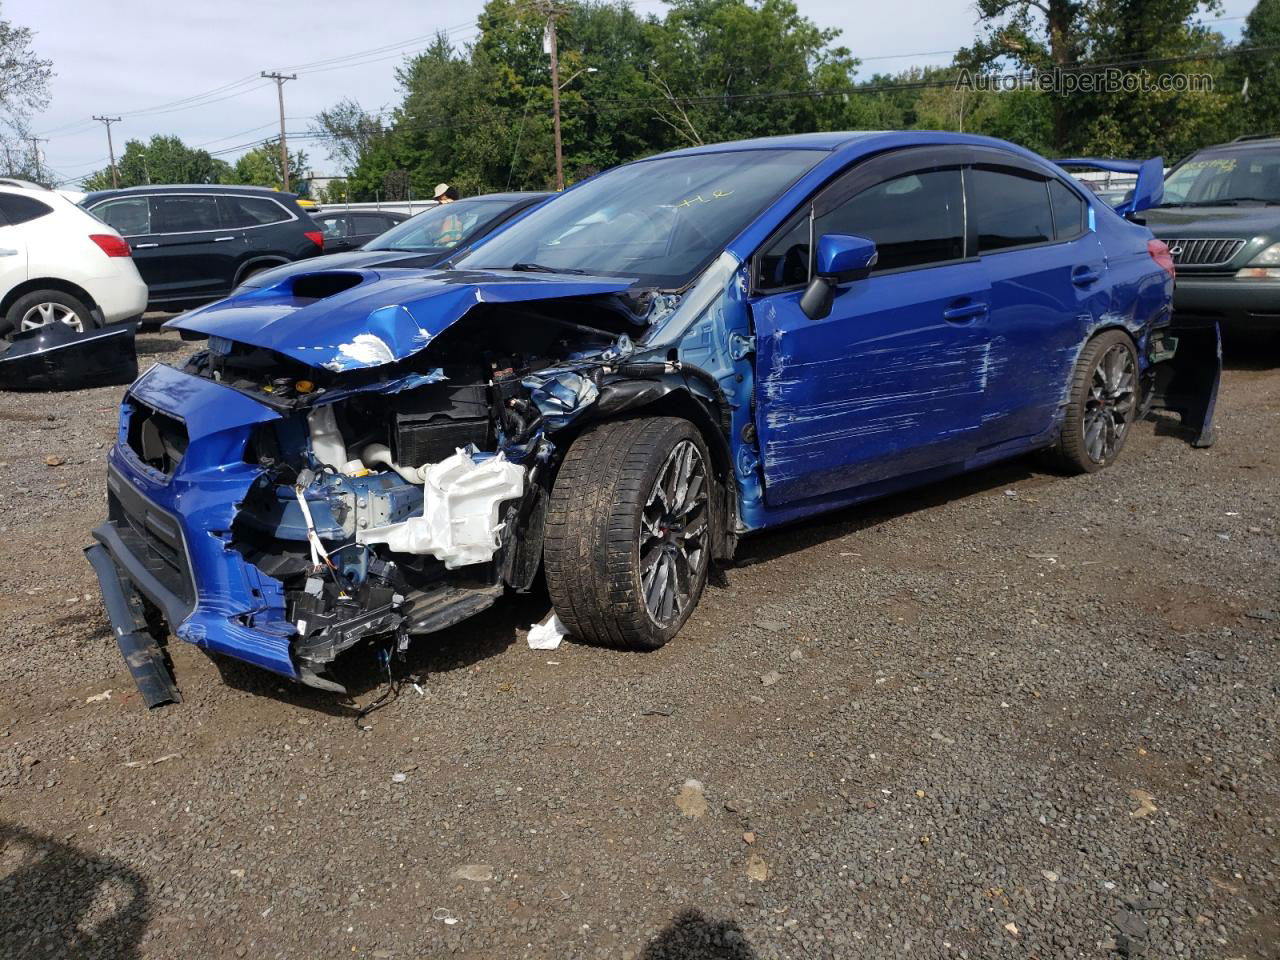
(1226, 176)
(183, 214)
(251, 211)
(129, 216)
(371, 223)
(1069, 211)
(19, 209)
(1011, 210)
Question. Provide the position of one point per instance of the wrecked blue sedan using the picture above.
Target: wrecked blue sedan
(613, 390)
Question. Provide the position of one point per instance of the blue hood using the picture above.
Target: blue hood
(384, 316)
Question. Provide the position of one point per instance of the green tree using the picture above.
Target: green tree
(260, 167)
(1260, 111)
(163, 159)
(24, 89)
(349, 130)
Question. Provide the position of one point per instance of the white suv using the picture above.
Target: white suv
(59, 264)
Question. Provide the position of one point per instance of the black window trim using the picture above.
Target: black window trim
(1024, 172)
(866, 173)
(203, 193)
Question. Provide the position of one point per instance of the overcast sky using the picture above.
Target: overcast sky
(134, 59)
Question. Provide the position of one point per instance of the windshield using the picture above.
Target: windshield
(660, 221)
(442, 228)
(1225, 177)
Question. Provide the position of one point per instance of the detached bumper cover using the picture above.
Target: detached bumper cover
(56, 357)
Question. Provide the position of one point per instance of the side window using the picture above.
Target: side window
(19, 209)
(1011, 209)
(251, 211)
(370, 223)
(334, 227)
(129, 216)
(914, 219)
(183, 214)
(785, 261)
(1070, 213)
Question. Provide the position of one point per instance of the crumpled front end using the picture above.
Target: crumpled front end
(281, 512)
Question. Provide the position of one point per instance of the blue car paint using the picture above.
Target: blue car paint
(1148, 191)
(238, 610)
(820, 414)
(386, 317)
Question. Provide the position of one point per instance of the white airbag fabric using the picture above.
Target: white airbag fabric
(459, 523)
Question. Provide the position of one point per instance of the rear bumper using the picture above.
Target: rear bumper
(1234, 304)
(120, 297)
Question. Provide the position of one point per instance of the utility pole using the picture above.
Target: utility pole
(550, 44)
(35, 152)
(111, 150)
(280, 78)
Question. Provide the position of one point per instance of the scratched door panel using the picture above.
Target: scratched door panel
(882, 387)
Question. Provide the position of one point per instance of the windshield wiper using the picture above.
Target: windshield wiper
(527, 267)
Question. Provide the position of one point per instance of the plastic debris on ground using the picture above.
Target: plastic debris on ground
(548, 634)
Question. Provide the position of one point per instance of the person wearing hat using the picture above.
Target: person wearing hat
(451, 228)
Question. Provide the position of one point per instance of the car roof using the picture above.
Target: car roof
(511, 195)
(192, 188)
(1244, 143)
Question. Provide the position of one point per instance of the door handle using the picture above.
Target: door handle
(962, 312)
(220, 239)
(145, 246)
(1083, 276)
(8, 253)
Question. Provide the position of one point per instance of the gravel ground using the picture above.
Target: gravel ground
(1013, 715)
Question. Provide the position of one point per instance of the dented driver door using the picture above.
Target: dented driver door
(891, 383)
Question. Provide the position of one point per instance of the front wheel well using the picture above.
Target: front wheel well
(681, 403)
(46, 283)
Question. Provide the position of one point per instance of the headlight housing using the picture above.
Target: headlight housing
(1265, 266)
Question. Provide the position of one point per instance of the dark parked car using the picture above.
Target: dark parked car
(197, 243)
(421, 241)
(352, 229)
(616, 387)
(1221, 219)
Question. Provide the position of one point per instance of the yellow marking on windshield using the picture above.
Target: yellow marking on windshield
(715, 195)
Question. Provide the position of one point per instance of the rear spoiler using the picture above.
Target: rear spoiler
(1147, 192)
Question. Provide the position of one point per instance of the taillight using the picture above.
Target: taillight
(315, 236)
(1159, 251)
(110, 244)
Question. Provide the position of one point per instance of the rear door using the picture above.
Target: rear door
(336, 228)
(1046, 270)
(13, 251)
(367, 226)
(891, 382)
(189, 251)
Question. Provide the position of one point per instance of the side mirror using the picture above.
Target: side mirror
(842, 258)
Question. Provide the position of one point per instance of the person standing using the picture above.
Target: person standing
(451, 228)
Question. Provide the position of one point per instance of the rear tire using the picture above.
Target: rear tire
(628, 533)
(42, 307)
(1103, 403)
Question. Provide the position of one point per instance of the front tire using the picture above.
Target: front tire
(628, 533)
(1102, 406)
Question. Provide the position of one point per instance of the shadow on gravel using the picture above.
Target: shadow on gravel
(154, 346)
(60, 901)
(1250, 351)
(691, 936)
(831, 526)
(483, 636)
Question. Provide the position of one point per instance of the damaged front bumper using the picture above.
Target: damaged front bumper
(190, 514)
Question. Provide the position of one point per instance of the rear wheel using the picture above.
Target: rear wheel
(40, 308)
(1102, 406)
(628, 537)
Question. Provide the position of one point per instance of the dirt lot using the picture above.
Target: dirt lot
(1014, 715)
